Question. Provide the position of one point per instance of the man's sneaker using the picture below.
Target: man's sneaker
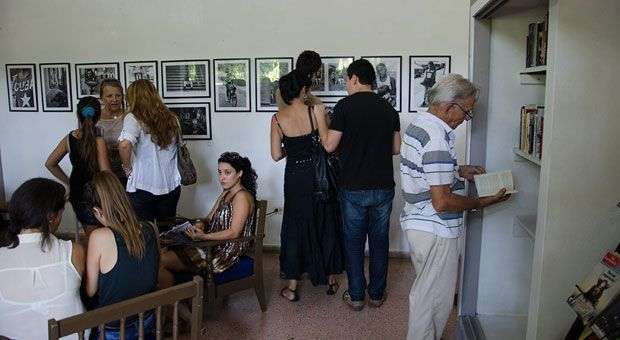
(376, 303)
(355, 305)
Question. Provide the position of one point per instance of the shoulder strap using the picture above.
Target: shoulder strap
(275, 116)
(310, 117)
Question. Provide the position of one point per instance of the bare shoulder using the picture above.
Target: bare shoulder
(243, 199)
(101, 237)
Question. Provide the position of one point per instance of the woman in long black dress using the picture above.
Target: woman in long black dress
(311, 229)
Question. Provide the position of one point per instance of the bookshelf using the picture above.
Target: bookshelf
(526, 156)
(534, 70)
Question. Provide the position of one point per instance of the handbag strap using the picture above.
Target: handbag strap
(310, 117)
(179, 136)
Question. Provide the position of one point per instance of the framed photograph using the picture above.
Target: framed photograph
(195, 119)
(329, 107)
(135, 70)
(89, 77)
(185, 79)
(268, 72)
(21, 83)
(423, 73)
(55, 88)
(388, 70)
(331, 81)
(232, 85)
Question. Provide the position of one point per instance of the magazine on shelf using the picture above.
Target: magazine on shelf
(595, 293)
(489, 184)
(176, 236)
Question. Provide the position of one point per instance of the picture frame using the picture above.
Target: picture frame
(331, 78)
(88, 77)
(195, 119)
(388, 70)
(186, 78)
(56, 93)
(231, 82)
(135, 70)
(21, 85)
(423, 73)
(268, 72)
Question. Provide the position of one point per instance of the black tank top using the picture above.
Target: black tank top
(80, 173)
(130, 277)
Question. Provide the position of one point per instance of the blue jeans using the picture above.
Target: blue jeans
(366, 213)
(131, 330)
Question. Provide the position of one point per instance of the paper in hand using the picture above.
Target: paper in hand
(489, 184)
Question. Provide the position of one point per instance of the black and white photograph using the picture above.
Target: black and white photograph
(329, 108)
(185, 78)
(232, 85)
(21, 83)
(268, 72)
(135, 70)
(388, 84)
(424, 71)
(89, 77)
(55, 87)
(332, 81)
(195, 119)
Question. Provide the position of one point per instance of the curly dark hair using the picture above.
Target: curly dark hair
(240, 163)
(291, 85)
(30, 207)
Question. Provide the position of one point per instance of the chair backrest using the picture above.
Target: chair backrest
(259, 230)
(139, 305)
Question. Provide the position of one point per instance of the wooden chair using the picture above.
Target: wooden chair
(139, 305)
(215, 293)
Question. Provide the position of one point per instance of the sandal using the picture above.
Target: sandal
(295, 295)
(333, 288)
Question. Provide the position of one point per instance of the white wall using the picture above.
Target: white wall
(33, 31)
(504, 282)
(579, 190)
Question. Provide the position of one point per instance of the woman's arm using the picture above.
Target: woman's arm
(242, 206)
(276, 140)
(54, 159)
(125, 149)
(322, 121)
(102, 155)
(78, 257)
(93, 261)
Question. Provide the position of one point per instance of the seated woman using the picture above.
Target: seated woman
(41, 274)
(232, 216)
(122, 256)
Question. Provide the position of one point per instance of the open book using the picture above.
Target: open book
(489, 184)
(176, 236)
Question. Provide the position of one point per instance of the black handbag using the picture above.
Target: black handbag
(326, 168)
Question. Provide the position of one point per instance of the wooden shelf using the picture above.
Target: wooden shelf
(526, 156)
(527, 223)
(534, 69)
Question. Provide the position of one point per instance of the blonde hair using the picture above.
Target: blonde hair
(146, 105)
(108, 194)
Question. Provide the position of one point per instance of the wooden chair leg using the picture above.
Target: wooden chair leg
(259, 288)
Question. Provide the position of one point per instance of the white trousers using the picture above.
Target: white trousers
(435, 260)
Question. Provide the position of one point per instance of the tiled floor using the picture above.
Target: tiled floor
(316, 315)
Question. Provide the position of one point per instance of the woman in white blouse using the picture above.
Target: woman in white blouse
(147, 146)
(41, 274)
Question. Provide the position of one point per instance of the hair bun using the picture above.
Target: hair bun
(88, 112)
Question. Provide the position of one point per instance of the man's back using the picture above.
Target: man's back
(367, 123)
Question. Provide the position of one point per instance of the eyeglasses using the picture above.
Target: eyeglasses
(468, 113)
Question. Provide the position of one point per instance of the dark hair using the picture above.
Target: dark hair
(31, 206)
(88, 114)
(291, 85)
(239, 163)
(364, 71)
(308, 63)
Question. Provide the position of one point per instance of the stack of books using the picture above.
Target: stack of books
(531, 130)
(536, 42)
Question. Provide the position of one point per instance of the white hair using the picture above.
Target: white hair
(450, 88)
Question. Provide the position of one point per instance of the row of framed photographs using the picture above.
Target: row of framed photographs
(190, 79)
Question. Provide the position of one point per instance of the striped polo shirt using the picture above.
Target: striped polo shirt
(427, 157)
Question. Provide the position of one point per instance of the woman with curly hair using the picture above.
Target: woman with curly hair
(147, 147)
(232, 216)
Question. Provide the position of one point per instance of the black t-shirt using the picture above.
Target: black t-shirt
(367, 123)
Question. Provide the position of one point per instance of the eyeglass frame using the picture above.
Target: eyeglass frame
(468, 114)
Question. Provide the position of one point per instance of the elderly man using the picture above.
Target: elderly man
(433, 211)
